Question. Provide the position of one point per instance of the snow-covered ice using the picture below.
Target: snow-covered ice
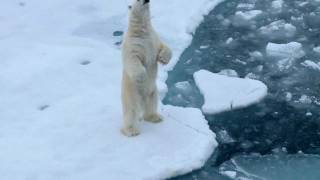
(223, 93)
(60, 110)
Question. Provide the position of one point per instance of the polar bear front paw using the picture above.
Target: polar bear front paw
(154, 118)
(164, 55)
(130, 131)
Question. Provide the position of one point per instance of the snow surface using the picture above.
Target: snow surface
(60, 110)
(222, 93)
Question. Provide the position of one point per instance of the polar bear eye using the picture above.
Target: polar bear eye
(130, 7)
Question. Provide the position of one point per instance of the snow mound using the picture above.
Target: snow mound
(278, 30)
(223, 93)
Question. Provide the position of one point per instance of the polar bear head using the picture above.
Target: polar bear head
(139, 8)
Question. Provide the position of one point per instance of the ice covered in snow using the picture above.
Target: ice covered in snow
(60, 110)
(292, 50)
(223, 93)
(278, 30)
(311, 64)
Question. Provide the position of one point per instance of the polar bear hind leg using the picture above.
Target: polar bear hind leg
(132, 108)
(151, 107)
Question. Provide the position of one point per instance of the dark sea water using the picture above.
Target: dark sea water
(281, 133)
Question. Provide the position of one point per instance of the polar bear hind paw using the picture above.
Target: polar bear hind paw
(130, 132)
(154, 118)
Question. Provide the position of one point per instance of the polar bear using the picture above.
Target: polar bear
(142, 49)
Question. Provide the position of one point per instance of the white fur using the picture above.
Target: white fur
(142, 50)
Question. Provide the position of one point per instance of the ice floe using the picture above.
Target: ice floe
(60, 79)
(222, 93)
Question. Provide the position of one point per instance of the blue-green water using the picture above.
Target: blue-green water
(288, 120)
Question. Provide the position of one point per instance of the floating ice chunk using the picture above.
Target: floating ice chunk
(248, 15)
(277, 5)
(224, 137)
(230, 174)
(311, 64)
(309, 114)
(204, 47)
(251, 76)
(312, 19)
(223, 93)
(184, 86)
(245, 6)
(278, 30)
(229, 40)
(245, 18)
(317, 49)
(229, 72)
(289, 96)
(304, 99)
(292, 50)
(256, 55)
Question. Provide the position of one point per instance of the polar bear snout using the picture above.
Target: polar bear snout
(146, 1)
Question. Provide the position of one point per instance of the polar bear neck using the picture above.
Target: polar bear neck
(139, 24)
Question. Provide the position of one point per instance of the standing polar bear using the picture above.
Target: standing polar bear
(141, 51)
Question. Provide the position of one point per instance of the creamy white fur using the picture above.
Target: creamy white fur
(142, 50)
